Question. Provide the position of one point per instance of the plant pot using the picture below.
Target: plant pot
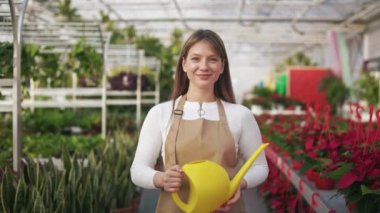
(136, 203)
(324, 183)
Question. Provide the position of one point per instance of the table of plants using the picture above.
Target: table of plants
(320, 161)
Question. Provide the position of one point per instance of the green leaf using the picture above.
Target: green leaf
(38, 203)
(7, 191)
(366, 190)
(368, 204)
(338, 173)
(21, 196)
(59, 195)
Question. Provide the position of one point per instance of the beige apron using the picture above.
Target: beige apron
(199, 139)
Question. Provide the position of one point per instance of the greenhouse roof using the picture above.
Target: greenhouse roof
(267, 29)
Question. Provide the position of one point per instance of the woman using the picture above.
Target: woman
(201, 122)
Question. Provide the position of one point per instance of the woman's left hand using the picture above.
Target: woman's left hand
(231, 202)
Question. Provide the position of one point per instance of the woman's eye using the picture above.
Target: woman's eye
(214, 59)
(195, 59)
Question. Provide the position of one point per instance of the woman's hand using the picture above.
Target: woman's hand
(230, 203)
(170, 180)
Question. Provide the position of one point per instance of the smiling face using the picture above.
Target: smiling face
(203, 68)
(202, 65)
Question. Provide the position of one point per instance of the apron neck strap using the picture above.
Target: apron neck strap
(178, 111)
(222, 113)
(170, 155)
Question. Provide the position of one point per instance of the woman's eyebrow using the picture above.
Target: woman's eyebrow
(209, 56)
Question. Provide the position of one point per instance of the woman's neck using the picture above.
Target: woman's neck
(201, 96)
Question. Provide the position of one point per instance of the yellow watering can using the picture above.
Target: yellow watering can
(210, 185)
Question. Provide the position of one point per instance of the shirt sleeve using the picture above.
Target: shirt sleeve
(249, 141)
(148, 150)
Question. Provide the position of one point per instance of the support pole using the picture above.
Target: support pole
(141, 63)
(105, 47)
(157, 83)
(17, 23)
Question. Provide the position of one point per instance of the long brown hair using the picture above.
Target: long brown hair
(223, 86)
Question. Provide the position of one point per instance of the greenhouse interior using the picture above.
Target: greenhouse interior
(78, 78)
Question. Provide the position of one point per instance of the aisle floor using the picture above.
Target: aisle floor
(254, 203)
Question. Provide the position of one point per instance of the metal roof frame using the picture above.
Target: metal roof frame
(304, 22)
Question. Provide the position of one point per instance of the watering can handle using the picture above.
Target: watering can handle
(179, 202)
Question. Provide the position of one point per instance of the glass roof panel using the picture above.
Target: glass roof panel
(259, 31)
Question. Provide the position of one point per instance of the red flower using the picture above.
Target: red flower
(347, 180)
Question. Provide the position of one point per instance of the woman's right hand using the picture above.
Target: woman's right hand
(170, 180)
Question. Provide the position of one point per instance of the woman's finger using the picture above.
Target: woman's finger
(173, 178)
(224, 208)
(235, 198)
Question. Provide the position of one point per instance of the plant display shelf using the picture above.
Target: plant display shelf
(92, 97)
(258, 110)
(128, 56)
(57, 98)
(322, 201)
(60, 37)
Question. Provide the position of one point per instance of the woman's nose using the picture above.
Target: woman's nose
(203, 64)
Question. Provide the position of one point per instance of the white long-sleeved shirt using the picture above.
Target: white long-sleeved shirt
(154, 131)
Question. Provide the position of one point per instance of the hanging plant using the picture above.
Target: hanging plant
(367, 88)
(66, 11)
(335, 90)
(6, 57)
(49, 67)
(87, 63)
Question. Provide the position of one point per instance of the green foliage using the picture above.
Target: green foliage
(99, 183)
(29, 62)
(340, 171)
(48, 67)
(123, 119)
(42, 121)
(86, 62)
(5, 138)
(152, 47)
(66, 11)
(126, 35)
(298, 59)
(335, 90)
(367, 88)
(48, 145)
(267, 98)
(262, 92)
(6, 57)
(29, 52)
(40, 66)
(168, 63)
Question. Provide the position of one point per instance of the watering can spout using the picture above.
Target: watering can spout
(235, 182)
